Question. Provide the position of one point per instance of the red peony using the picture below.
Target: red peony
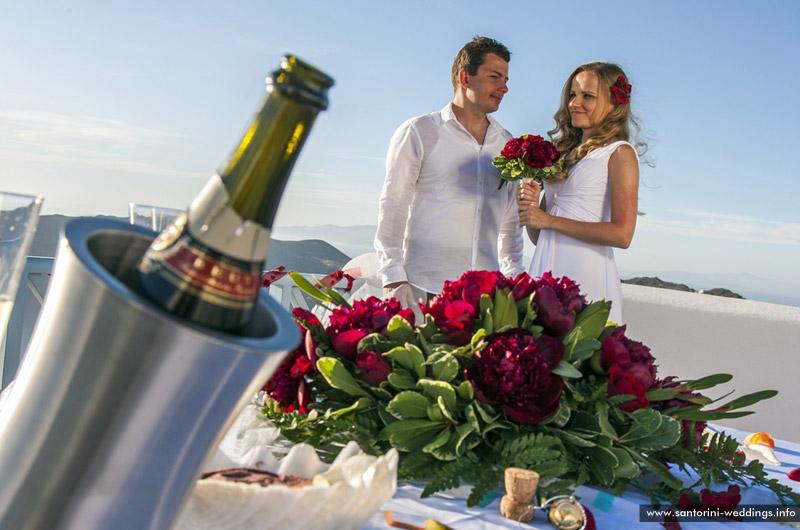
(515, 370)
(622, 382)
(348, 326)
(558, 302)
(630, 355)
(541, 154)
(372, 367)
(513, 148)
(287, 385)
(522, 286)
(455, 308)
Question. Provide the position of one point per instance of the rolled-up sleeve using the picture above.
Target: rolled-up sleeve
(510, 242)
(403, 161)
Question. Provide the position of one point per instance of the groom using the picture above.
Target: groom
(440, 211)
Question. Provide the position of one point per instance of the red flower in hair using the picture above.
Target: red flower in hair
(622, 90)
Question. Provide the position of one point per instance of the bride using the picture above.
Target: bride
(591, 207)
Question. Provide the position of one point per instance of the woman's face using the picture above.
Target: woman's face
(588, 105)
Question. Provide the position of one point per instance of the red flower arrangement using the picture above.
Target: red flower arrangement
(503, 372)
(529, 156)
(515, 370)
(621, 90)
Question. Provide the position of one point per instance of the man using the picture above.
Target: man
(441, 212)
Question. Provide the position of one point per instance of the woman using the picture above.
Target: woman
(592, 206)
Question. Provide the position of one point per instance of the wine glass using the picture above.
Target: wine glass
(19, 215)
(155, 218)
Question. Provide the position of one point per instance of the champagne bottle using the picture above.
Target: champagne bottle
(206, 266)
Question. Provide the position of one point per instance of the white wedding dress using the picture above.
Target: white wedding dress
(583, 196)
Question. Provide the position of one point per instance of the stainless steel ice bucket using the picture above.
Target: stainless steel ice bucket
(117, 403)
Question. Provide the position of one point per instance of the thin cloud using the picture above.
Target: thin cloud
(733, 227)
(79, 142)
(48, 128)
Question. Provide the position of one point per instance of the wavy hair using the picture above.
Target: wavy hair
(617, 124)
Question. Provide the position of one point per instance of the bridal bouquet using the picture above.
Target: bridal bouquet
(503, 373)
(528, 156)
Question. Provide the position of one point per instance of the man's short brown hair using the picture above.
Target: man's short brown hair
(473, 55)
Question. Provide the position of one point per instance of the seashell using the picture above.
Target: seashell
(761, 438)
(342, 495)
(760, 452)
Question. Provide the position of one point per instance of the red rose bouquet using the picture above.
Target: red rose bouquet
(504, 372)
(529, 156)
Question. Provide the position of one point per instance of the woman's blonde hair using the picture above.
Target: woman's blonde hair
(617, 124)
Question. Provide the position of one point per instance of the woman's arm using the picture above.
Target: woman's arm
(623, 182)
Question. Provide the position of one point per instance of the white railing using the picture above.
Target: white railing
(34, 285)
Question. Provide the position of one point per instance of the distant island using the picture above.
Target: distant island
(655, 281)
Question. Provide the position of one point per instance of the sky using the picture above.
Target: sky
(103, 103)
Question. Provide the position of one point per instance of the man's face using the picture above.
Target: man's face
(485, 89)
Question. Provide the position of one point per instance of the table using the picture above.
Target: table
(610, 512)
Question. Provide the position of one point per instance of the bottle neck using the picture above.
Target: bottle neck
(268, 150)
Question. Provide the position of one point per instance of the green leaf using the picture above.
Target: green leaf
(411, 435)
(437, 442)
(584, 349)
(408, 405)
(585, 423)
(466, 391)
(402, 380)
(605, 425)
(565, 369)
(409, 357)
(747, 400)
(338, 377)
(309, 288)
(658, 467)
(667, 435)
(708, 381)
(434, 389)
(446, 412)
(485, 304)
(661, 394)
(593, 319)
(486, 415)
(488, 322)
(360, 404)
(645, 423)
(434, 413)
(626, 468)
(603, 463)
(446, 369)
(562, 416)
(336, 297)
(461, 433)
(400, 330)
(472, 417)
(376, 342)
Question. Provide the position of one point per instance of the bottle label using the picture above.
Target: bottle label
(182, 260)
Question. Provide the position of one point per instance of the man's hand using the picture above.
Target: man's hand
(402, 291)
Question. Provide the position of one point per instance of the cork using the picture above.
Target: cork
(517, 503)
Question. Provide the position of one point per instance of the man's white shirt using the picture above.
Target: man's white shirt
(441, 212)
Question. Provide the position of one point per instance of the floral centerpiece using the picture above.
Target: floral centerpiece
(529, 156)
(504, 372)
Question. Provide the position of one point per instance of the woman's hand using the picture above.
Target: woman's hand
(530, 215)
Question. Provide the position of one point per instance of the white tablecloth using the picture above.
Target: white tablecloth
(610, 512)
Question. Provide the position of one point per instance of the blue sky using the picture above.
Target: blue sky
(103, 103)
